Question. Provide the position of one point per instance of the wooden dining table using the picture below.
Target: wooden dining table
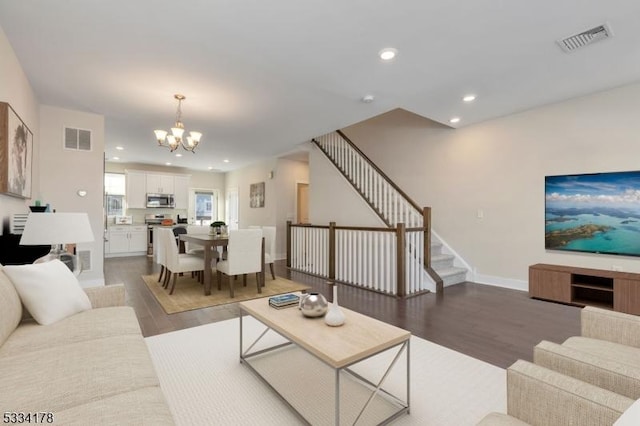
(209, 242)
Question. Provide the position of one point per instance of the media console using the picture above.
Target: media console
(619, 291)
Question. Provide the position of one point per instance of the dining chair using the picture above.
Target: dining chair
(269, 234)
(159, 252)
(177, 231)
(177, 263)
(244, 256)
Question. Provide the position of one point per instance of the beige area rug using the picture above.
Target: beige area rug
(189, 293)
(205, 384)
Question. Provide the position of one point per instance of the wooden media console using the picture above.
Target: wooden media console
(619, 291)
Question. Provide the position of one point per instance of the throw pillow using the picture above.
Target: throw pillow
(48, 290)
(631, 416)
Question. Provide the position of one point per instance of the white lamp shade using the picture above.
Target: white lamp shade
(160, 134)
(56, 228)
(177, 132)
(196, 136)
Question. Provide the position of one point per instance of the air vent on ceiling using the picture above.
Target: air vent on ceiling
(77, 139)
(585, 38)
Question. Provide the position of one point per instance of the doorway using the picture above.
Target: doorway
(231, 208)
(302, 204)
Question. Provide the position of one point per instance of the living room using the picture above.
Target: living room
(484, 179)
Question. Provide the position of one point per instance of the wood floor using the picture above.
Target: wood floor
(492, 324)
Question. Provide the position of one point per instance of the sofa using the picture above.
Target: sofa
(591, 379)
(89, 368)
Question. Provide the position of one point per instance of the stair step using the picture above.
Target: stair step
(442, 261)
(452, 275)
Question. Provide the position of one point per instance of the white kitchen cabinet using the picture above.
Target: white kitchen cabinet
(136, 189)
(127, 240)
(160, 184)
(181, 194)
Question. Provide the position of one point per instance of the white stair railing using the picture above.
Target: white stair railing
(386, 260)
(391, 204)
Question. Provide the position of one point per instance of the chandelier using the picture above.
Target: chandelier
(175, 139)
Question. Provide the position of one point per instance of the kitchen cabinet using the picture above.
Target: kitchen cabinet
(160, 184)
(136, 189)
(181, 194)
(127, 240)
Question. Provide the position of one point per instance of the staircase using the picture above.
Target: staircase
(391, 205)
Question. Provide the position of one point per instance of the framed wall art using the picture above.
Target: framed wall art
(256, 195)
(16, 152)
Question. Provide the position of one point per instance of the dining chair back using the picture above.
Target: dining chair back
(178, 263)
(269, 234)
(159, 251)
(244, 256)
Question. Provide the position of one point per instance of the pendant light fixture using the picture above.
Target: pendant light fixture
(175, 139)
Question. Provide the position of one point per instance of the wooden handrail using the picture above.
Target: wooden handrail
(377, 169)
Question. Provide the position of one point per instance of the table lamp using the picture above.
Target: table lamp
(58, 229)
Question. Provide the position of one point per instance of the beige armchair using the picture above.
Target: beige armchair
(541, 397)
(606, 354)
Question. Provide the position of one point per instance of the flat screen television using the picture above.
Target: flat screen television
(594, 213)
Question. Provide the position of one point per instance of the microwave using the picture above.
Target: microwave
(160, 201)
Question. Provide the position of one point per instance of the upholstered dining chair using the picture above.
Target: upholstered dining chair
(159, 252)
(177, 263)
(269, 234)
(244, 256)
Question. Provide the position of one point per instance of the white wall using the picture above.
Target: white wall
(280, 195)
(333, 199)
(288, 174)
(242, 179)
(64, 172)
(499, 167)
(16, 90)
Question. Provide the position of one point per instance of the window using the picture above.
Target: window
(114, 191)
(204, 207)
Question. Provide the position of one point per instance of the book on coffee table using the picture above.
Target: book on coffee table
(284, 300)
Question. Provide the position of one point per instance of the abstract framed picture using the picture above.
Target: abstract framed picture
(256, 195)
(16, 152)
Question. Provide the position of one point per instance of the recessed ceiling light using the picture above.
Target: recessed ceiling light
(226, 160)
(167, 164)
(469, 98)
(388, 54)
(115, 158)
(210, 167)
(119, 148)
(454, 120)
(178, 155)
(367, 99)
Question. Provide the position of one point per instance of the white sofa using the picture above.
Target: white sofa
(92, 367)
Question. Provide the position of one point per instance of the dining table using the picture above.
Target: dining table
(209, 241)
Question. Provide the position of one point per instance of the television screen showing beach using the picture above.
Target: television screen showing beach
(593, 213)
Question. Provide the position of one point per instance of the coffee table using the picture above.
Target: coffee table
(340, 348)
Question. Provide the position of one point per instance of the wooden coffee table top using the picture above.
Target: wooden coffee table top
(359, 337)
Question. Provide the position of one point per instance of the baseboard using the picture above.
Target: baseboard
(502, 282)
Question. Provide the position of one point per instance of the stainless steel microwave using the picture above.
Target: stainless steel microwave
(160, 201)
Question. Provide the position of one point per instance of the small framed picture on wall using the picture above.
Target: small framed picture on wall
(256, 195)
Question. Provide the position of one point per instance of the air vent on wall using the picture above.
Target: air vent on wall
(77, 139)
(585, 38)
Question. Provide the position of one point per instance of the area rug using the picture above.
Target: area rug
(204, 382)
(189, 293)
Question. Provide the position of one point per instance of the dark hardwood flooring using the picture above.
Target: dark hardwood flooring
(489, 323)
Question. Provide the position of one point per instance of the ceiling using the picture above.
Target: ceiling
(262, 77)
